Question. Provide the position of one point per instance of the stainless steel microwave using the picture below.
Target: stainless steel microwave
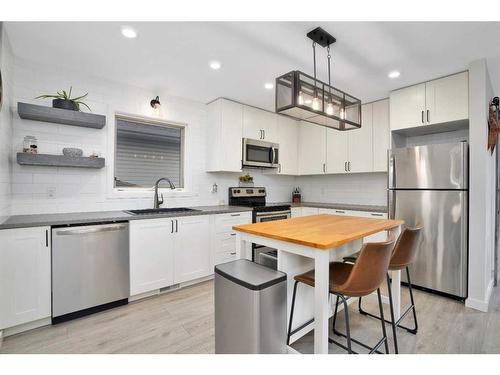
(260, 153)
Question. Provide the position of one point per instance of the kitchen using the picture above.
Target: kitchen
(114, 251)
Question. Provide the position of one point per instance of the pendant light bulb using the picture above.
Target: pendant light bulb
(301, 98)
(342, 113)
(315, 104)
(329, 109)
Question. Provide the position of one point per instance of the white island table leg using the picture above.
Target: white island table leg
(321, 294)
(396, 283)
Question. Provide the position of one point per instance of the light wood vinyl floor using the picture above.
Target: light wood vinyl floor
(183, 322)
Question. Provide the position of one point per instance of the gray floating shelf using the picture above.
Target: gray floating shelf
(60, 116)
(59, 160)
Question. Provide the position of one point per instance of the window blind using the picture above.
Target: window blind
(145, 152)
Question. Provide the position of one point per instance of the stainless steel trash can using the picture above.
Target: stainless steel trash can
(250, 309)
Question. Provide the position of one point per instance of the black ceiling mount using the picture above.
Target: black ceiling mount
(321, 37)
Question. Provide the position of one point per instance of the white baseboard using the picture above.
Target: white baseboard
(26, 327)
(481, 305)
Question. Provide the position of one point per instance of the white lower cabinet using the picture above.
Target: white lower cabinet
(308, 211)
(224, 238)
(169, 251)
(25, 287)
(191, 248)
(151, 255)
(296, 211)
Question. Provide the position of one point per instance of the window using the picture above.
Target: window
(146, 151)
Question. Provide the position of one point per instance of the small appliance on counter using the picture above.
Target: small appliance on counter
(256, 197)
(296, 196)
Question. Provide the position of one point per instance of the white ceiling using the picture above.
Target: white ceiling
(174, 56)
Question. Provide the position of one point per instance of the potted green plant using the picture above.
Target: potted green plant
(63, 100)
(246, 180)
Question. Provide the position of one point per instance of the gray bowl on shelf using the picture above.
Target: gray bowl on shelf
(74, 152)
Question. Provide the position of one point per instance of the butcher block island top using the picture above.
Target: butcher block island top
(319, 231)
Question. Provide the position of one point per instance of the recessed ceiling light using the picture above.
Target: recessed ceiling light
(129, 32)
(394, 74)
(215, 65)
(268, 86)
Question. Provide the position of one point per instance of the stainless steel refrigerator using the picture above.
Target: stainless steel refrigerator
(428, 186)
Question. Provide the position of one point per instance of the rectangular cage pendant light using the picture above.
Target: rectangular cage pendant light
(306, 98)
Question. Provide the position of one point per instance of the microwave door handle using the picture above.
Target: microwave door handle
(271, 155)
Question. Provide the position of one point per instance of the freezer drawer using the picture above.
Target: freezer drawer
(439, 166)
(441, 262)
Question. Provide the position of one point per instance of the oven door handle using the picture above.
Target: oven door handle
(273, 213)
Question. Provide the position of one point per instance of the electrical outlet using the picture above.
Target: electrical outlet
(51, 192)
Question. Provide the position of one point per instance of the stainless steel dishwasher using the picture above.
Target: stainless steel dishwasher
(90, 269)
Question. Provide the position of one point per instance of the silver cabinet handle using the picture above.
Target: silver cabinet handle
(348, 166)
(233, 234)
(340, 212)
(323, 167)
(345, 166)
(423, 117)
(235, 214)
(233, 253)
(176, 226)
(172, 229)
(377, 214)
(428, 116)
(264, 134)
(46, 238)
(97, 229)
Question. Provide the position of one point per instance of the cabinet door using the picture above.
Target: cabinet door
(231, 136)
(380, 125)
(151, 255)
(288, 132)
(312, 148)
(25, 286)
(337, 151)
(360, 143)
(447, 99)
(259, 124)
(407, 107)
(192, 248)
(224, 135)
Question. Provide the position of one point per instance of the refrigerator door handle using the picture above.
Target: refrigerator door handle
(391, 203)
(392, 170)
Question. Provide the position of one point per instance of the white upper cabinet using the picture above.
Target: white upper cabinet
(260, 124)
(288, 139)
(434, 102)
(312, 149)
(408, 107)
(25, 285)
(447, 99)
(380, 125)
(224, 136)
(192, 253)
(360, 143)
(337, 151)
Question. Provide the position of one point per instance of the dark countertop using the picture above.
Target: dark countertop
(342, 206)
(41, 220)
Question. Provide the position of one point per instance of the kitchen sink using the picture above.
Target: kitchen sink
(156, 211)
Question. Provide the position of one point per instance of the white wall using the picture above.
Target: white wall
(88, 189)
(6, 65)
(356, 188)
(481, 189)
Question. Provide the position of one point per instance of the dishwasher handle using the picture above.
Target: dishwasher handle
(89, 230)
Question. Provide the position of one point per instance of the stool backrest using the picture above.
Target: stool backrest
(370, 269)
(406, 248)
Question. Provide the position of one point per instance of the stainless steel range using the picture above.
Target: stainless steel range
(256, 197)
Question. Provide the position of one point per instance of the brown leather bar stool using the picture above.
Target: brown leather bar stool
(353, 280)
(404, 253)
